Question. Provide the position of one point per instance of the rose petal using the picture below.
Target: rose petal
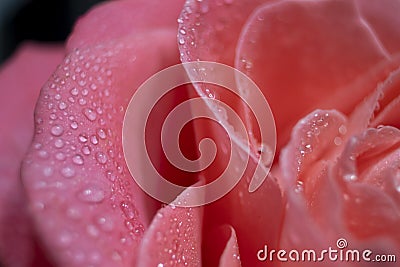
(209, 30)
(231, 257)
(86, 205)
(174, 236)
(305, 172)
(381, 17)
(388, 102)
(113, 20)
(311, 54)
(369, 168)
(20, 80)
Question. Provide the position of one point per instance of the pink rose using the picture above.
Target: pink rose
(330, 71)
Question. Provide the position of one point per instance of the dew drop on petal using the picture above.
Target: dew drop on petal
(82, 101)
(74, 91)
(62, 105)
(92, 195)
(299, 187)
(111, 176)
(43, 154)
(86, 150)
(89, 114)
(82, 138)
(342, 129)
(77, 159)
(48, 171)
(74, 125)
(94, 140)
(68, 172)
(57, 130)
(337, 141)
(350, 177)
(101, 158)
(101, 133)
(128, 209)
(59, 143)
(60, 156)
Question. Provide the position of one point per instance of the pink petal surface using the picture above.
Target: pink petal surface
(231, 256)
(370, 167)
(313, 54)
(209, 30)
(174, 236)
(20, 81)
(113, 20)
(86, 206)
(312, 217)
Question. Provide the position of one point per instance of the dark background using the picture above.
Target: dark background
(39, 20)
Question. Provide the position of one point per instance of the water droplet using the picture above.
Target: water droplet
(92, 230)
(93, 86)
(53, 116)
(86, 150)
(129, 210)
(99, 110)
(350, 177)
(82, 101)
(74, 125)
(337, 141)
(181, 41)
(101, 133)
(85, 92)
(299, 187)
(247, 64)
(60, 156)
(101, 158)
(48, 171)
(111, 176)
(57, 97)
(89, 114)
(59, 143)
(92, 195)
(77, 159)
(62, 105)
(74, 91)
(57, 130)
(105, 224)
(82, 138)
(43, 154)
(64, 238)
(82, 82)
(342, 129)
(139, 229)
(37, 145)
(94, 140)
(68, 172)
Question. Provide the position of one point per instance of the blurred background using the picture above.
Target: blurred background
(39, 20)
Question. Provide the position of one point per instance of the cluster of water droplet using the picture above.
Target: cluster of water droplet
(315, 128)
(180, 233)
(194, 31)
(79, 113)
